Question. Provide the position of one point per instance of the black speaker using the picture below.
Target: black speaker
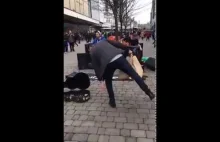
(87, 45)
(84, 60)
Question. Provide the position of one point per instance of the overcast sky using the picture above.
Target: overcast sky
(143, 15)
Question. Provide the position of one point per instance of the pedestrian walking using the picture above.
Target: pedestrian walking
(71, 40)
(107, 56)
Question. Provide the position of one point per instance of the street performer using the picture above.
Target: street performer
(109, 55)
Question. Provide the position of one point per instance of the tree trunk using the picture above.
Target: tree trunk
(116, 25)
(121, 28)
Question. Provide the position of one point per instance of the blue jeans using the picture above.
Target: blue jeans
(123, 65)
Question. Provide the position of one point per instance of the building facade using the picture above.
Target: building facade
(81, 15)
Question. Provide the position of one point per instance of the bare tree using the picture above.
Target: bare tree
(122, 11)
(127, 8)
(113, 5)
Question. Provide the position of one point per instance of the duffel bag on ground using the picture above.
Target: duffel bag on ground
(149, 63)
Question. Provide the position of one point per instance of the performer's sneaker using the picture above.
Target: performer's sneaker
(112, 103)
(150, 94)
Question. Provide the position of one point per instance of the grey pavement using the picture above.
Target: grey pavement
(133, 120)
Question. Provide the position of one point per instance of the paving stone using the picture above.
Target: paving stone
(68, 137)
(130, 119)
(144, 140)
(80, 137)
(80, 130)
(138, 133)
(98, 124)
(100, 109)
(122, 110)
(68, 122)
(110, 109)
(70, 107)
(64, 112)
(70, 112)
(103, 113)
(76, 123)
(133, 115)
(122, 114)
(80, 108)
(143, 127)
(110, 119)
(103, 138)
(87, 105)
(92, 130)
(150, 121)
(130, 126)
(120, 119)
(152, 116)
(93, 138)
(151, 134)
(65, 107)
(69, 104)
(77, 105)
(130, 139)
(143, 115)
(145, 106)
(139, 120)
(88, 123)
(100, 118)
(119, 125)
(119, 105)
(131, 102)
(81, 112)
(112, 131)
(117, 139)
(76, 117)
(83, 117)
(94, 113)
(96, 104)
(143, 111)
(125, 132)
(101, 131)
(91, 108)
(108, 124)
(91, 118)
(152, 111)
(152, 127)
(68, 129)
(112, 113)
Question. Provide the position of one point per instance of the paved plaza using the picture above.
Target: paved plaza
(95, 121)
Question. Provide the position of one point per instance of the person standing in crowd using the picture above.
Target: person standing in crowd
(71, 40)
(107, 56)
(98, 37)
(153, 34)
(77, 38)
(65, 42)
(142, 35)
